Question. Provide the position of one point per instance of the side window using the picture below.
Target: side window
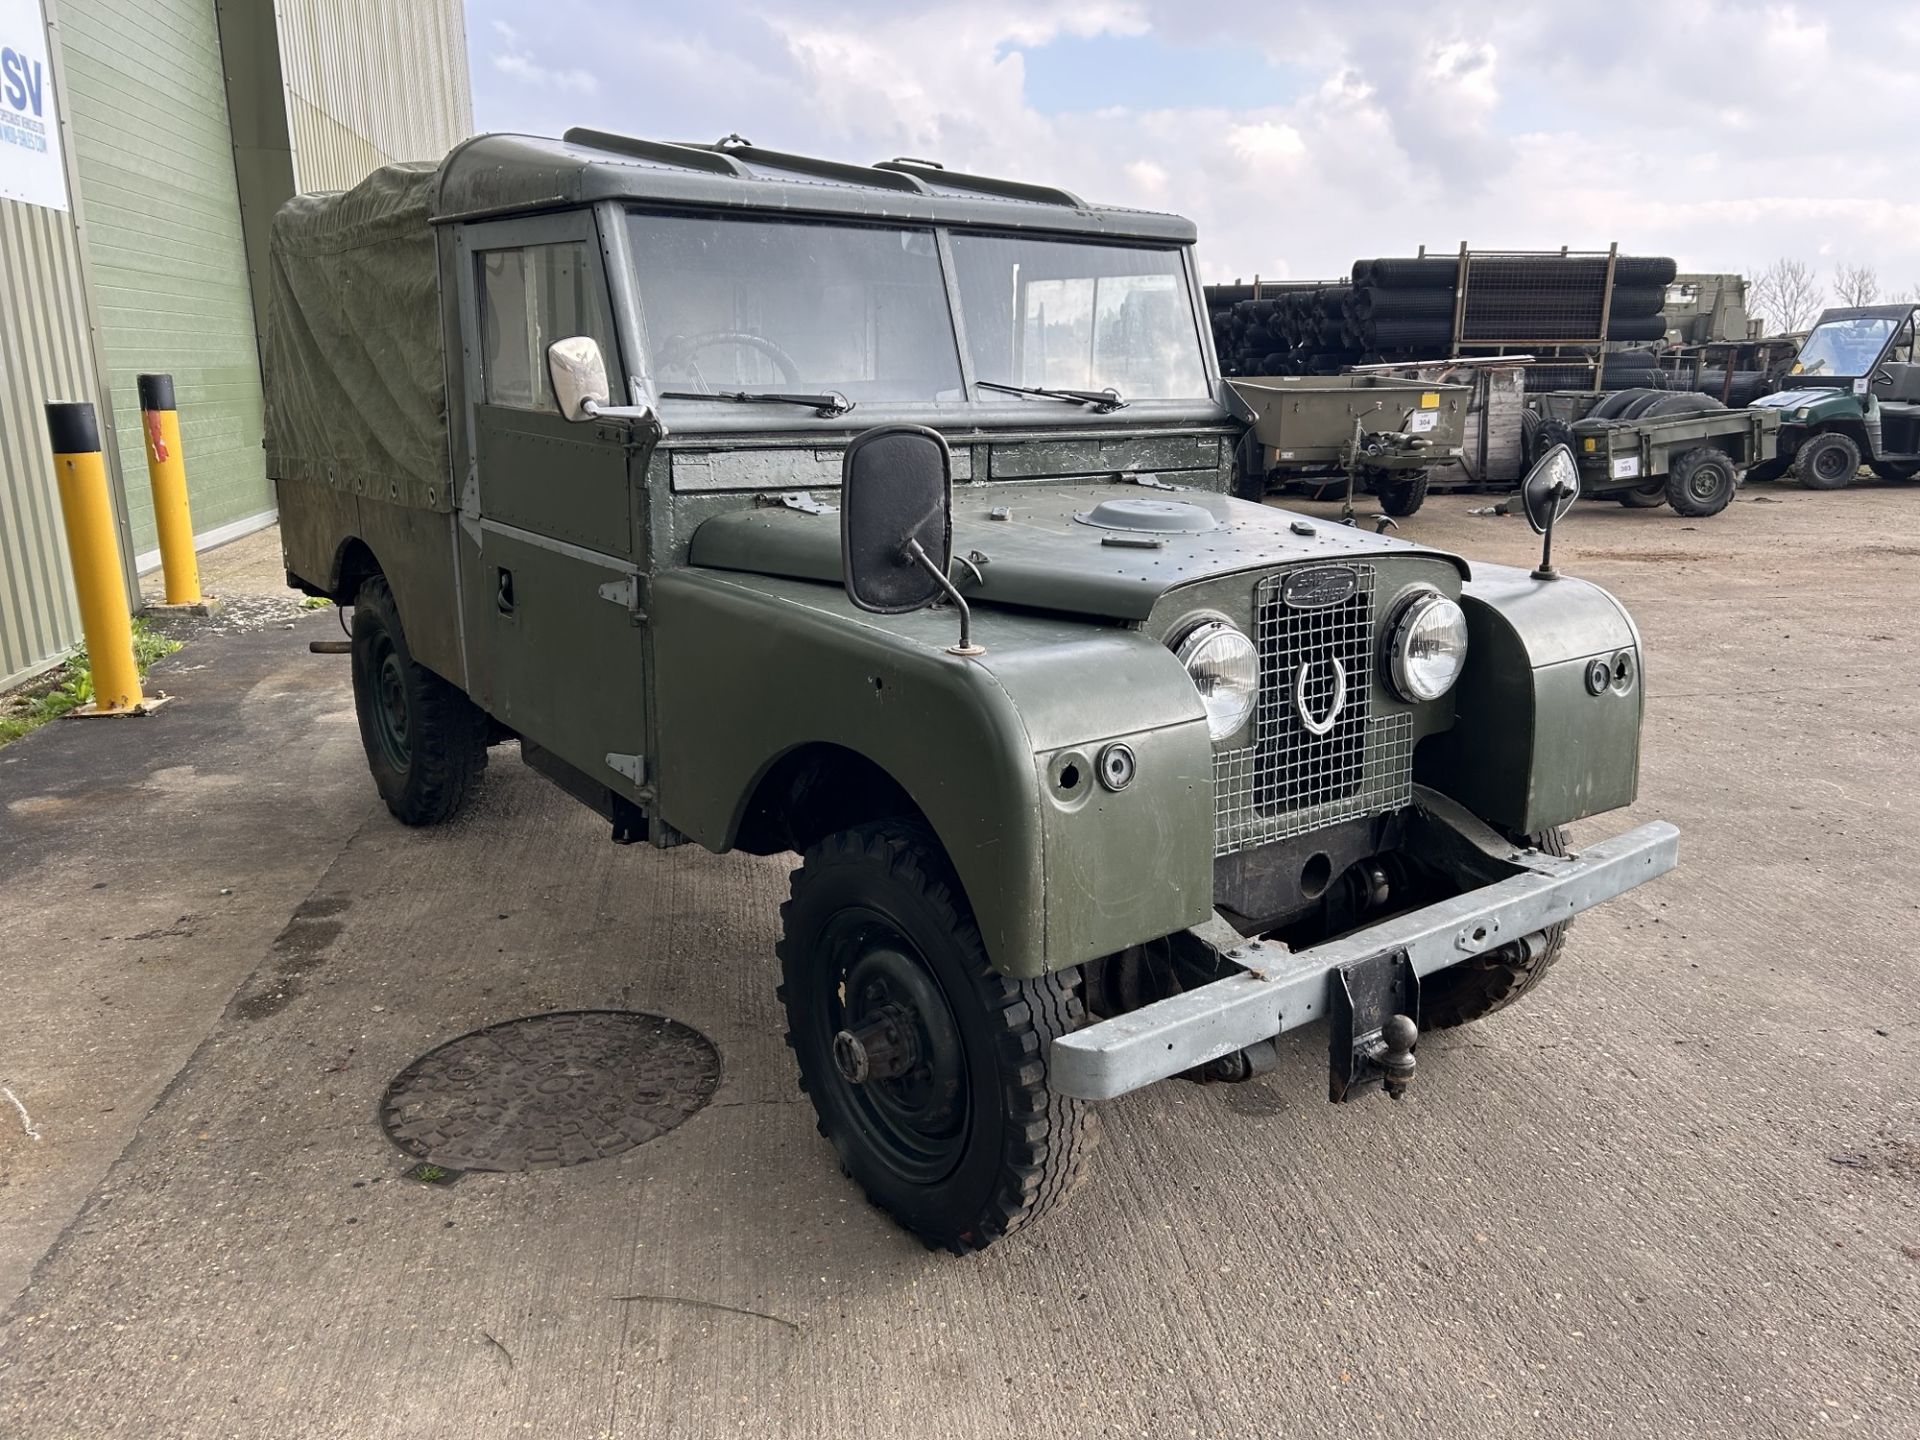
(530, 297)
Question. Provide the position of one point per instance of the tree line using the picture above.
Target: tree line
(1789, 296)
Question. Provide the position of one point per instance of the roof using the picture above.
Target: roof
(1899, 310)
(512, 174)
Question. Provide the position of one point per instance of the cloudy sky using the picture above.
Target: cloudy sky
(1721, 132)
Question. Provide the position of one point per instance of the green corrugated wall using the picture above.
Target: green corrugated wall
(148, 109)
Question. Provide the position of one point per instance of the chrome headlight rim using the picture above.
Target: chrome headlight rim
(1421, 605)
(1223, 721)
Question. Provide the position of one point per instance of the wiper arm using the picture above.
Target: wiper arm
(825, 406)
(1102, 400)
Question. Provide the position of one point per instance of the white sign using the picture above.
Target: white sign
(1423, 421)
(1626, 467)
(30, 168)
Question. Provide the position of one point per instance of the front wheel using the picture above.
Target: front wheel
(1403, 496)
(1827, 462)
(1701, 482)
(426, 742)
(1498, 978)
(927, 1067)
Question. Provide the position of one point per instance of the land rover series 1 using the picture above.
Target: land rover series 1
(883, 514)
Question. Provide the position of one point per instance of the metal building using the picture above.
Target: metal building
(144, 146)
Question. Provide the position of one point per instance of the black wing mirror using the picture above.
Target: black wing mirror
(896, 524)
(1547, 494)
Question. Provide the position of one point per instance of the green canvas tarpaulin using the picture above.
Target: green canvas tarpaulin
(355, 379)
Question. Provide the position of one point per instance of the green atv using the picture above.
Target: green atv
(1855, 398)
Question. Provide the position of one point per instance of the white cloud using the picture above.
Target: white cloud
(1722, 132)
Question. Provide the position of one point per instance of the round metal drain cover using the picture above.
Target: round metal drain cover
(550, 1090)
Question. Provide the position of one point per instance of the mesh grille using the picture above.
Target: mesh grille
(1289, 780)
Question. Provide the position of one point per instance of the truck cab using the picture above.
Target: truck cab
(1852, 396)
(884, 514)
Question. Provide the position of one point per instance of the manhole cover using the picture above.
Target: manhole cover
(550, 1090)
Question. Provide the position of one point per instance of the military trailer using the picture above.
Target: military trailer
(1646, 447)
(1853, 396)
(882, 514)
(1380, 433)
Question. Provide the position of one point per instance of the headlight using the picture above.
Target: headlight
(1802, 413)
(1225, 669)
(1429, 646)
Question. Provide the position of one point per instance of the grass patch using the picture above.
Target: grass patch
(71, 685)
(314, 602)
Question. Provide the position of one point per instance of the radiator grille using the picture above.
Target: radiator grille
(1289, 780)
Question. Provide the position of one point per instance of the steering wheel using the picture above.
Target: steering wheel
(680, 349)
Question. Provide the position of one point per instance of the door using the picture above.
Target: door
(559, 582)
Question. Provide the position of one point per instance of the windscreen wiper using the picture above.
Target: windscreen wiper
(1102, 400)
(825, 406)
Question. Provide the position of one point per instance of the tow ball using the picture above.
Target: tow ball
(1373, 1026)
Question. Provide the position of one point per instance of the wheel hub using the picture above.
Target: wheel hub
(884, 1048)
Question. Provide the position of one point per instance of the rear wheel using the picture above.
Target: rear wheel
(1895, 469)
(1701, 482)
(1827, 461)
(926, 1066)
(1495, 980)
(426, 742)
(1647, 497)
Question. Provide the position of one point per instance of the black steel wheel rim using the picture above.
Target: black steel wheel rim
(1707, 481)
(916, 1125)
(1830, 462)
(389, 686)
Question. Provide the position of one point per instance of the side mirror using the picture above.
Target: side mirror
(896, 523)
(579, 376)
(1547, 494)
(1550, 489)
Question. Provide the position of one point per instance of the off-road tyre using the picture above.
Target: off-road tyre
(1768, 470)
(426, 742)
(1549, 434)
(879, 905)
(1895, 469)
(1701, 482)
(1650, 496)
(1403, 496)
(1610, 407)
(1495, 980)
(1827, 461)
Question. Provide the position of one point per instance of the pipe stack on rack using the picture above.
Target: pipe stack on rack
(1406, 309)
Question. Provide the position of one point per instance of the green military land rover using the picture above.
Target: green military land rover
(884, 514)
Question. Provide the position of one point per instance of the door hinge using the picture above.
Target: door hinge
(630, 593)
(634, 767)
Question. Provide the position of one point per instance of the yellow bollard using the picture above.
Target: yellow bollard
(167, 469)
(104, 617)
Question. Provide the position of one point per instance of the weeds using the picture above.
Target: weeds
(314, 602)
(71, 685)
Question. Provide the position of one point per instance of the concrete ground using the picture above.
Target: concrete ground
(1676, 1193)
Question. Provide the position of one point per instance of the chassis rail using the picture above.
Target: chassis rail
(1284, 989)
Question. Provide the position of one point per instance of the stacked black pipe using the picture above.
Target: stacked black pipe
(1405, 309)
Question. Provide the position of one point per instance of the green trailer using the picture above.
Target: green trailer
(1381, 433)
(1646, 448)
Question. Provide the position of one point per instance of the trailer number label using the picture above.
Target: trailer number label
(1423, 421)
(1626, 467)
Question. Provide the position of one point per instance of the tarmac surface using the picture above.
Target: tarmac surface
(1675, 1193)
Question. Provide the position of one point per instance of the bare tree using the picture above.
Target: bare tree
(1910, 295)
(1786, 295)
(1856, 285)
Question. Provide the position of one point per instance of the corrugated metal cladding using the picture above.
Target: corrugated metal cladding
(43, 356)
(147, 107)
(370, 81)
(188, 122)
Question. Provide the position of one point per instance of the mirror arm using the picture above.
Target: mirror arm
(917, 553)
(1546, 570)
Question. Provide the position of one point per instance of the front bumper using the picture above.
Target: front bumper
(1284, 989)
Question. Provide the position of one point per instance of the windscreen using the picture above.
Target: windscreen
(777, 305)
(1068, 314)
(1846, 347)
